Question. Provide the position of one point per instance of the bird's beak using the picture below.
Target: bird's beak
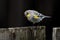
(28, 15)
(36, 17)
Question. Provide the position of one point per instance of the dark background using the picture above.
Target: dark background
(12, 13)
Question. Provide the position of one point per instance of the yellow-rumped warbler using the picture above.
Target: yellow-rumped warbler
(34, 16)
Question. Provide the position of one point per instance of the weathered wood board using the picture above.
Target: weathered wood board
(56, 33)
(23, 33)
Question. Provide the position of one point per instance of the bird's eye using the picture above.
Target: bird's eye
(27, 13)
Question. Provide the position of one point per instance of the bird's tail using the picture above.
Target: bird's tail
(47, 16)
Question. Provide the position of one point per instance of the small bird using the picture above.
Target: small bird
(34, 16)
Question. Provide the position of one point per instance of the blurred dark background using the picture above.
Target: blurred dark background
(12, 13)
